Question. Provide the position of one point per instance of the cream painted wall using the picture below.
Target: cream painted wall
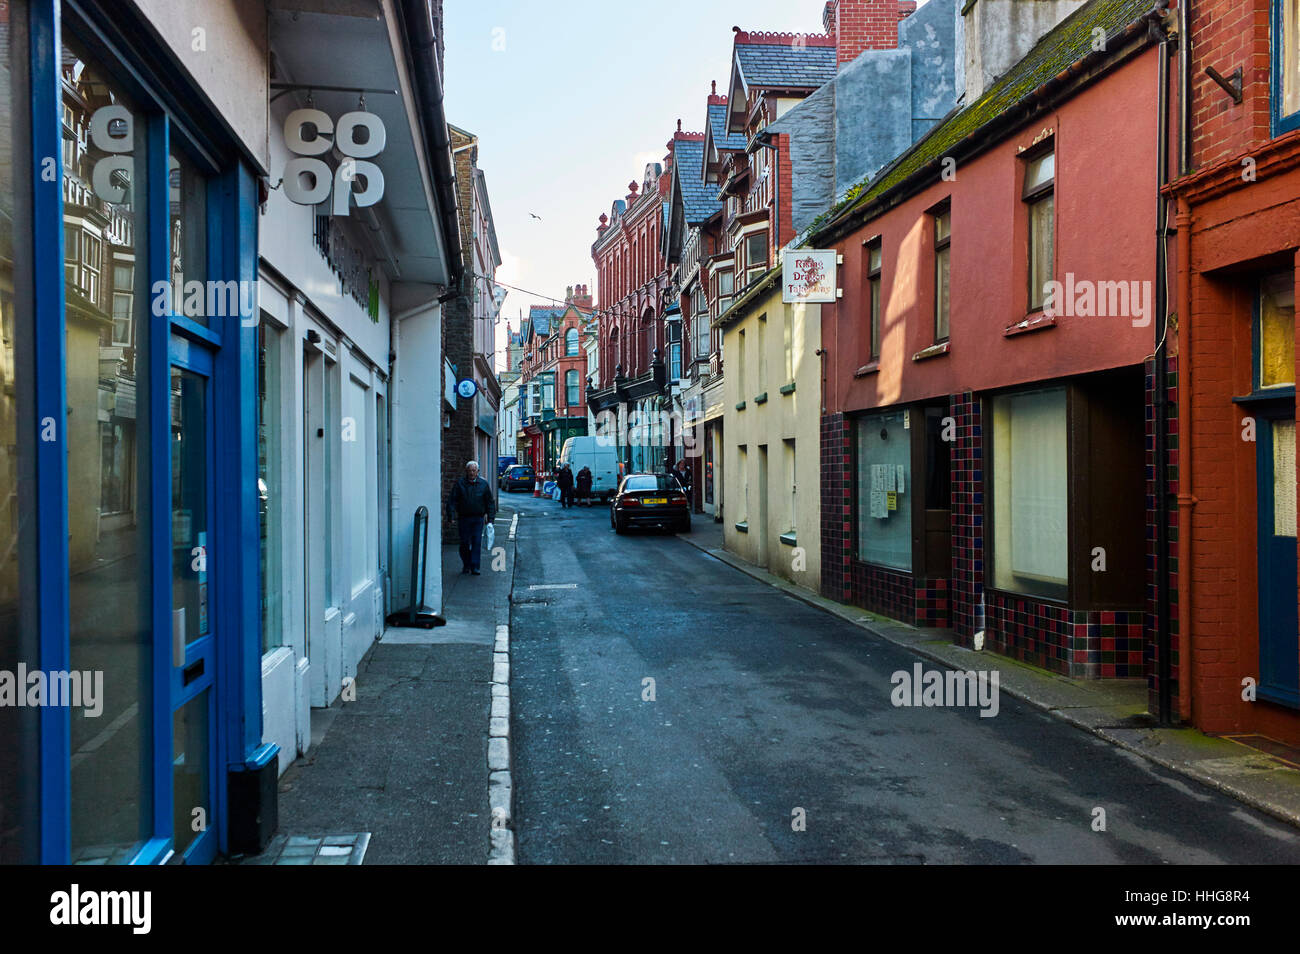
(231, 66)
(795, 416)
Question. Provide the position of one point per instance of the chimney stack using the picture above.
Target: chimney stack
(861, 25)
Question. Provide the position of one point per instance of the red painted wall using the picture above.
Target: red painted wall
(1105, 209)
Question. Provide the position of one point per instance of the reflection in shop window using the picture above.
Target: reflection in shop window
(189, 208)
(18, 726)
(108, 530)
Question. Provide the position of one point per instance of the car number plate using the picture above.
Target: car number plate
(655, 500)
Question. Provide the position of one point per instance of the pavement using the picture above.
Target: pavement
(669, 708)
(1112, 709)
(401, 774)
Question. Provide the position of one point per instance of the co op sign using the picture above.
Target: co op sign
(308, 180)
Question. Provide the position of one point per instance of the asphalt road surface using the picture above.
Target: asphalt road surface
(767, 712)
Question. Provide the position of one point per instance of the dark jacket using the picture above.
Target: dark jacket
(471, 500)
(584, 481)
(683, 477)
(565, 479)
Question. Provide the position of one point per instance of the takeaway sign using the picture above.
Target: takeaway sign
(808, 275)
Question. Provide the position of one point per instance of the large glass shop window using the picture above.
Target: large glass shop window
(108, 547)
(187, 189)
(1030, 493)
(884, 488)
(13, 381)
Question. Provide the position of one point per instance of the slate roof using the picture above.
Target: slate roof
(1070, 41)
(698, 200)
(540, 316)
(783, 64)
(718, 128)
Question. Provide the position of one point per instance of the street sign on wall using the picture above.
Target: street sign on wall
(808, 275)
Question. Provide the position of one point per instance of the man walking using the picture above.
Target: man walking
(470, 504)
(584, 485)
(565, 480)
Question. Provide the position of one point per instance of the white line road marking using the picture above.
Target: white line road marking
(514, 524)
(501, 837)
(554, 586)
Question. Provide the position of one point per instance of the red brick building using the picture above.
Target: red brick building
(1234, 370)
(552, 377)
(634, 301)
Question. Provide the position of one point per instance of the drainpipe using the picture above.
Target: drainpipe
(1186, 500)
(1160, 394)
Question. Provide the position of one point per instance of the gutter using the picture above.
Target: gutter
(417, 16)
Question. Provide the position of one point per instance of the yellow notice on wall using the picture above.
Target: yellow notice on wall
(891, 500)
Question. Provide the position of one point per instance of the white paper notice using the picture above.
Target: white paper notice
(900, 478)
(889, 479)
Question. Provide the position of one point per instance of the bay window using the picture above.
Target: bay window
(724, 289)
(755, 256)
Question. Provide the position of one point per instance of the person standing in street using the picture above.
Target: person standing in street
(565, 480)
(683, 474)
(584, 485)
(470, 504)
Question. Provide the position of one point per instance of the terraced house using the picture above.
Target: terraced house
(990, 363)
(804, 149)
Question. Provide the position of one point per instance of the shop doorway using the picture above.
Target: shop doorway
(194, 624)
(1279, 644)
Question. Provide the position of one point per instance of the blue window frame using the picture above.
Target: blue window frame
(225, 350)
(1284, 94)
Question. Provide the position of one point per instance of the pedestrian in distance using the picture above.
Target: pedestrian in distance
(683, 474)
(584, 485)
(565, 480)
(470, 504)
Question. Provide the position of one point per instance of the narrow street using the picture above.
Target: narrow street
(763, 705)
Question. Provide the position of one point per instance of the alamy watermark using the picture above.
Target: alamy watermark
(81, 689)
(945, 689)
(1084, 298)
(210, 299)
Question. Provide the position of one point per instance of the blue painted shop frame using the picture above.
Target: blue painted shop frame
(236, 734)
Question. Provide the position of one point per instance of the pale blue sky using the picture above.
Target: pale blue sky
(581, 96)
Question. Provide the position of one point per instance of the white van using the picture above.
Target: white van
(601, 458)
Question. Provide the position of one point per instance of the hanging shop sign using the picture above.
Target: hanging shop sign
(358, 137)
(466, 388)
(808, 275)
